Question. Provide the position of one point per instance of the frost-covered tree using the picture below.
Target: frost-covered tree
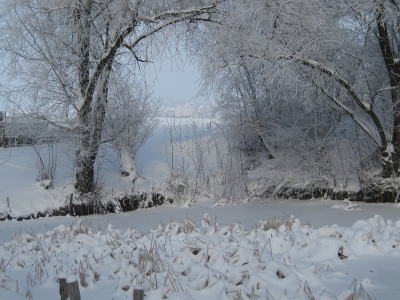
(62, 55)
(267, 106)
(376, 23)
(346, 49)
(130, 120)
(271, 118)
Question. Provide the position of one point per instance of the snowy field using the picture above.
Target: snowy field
(264, 249)
(18, 169)
(231, 253)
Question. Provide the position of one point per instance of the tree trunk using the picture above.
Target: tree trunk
(390, 155)
(85, 173)
(89, 136)
(91, 114)
(86, 152)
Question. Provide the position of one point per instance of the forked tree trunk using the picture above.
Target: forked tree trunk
(94, 92)
(89, 135)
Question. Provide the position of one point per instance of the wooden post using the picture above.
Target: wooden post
(3, 131)
(138, 294)
(73, 290)
(71, 197)
(3, 138)
(63, 288)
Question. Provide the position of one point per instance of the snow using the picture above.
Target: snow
(241, 251)
(366, 105)
(81, 100)
(128, 165)
(18, 183)
(279, 258)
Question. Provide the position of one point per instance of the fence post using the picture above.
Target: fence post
(3, 131)
(138, 294)
(70, 204)
(73, 290)
(63, 288)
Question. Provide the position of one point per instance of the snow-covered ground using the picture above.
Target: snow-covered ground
(179, 259)
(18, 168)
(198, 252)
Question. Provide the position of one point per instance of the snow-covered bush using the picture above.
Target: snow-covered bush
(46, 160)
(131, 120)
(204, 163)
(276, 259)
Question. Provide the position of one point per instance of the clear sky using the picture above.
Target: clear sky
(175, 82)
(174, 79)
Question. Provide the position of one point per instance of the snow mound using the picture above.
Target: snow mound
(347, 205)
(275, 259)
